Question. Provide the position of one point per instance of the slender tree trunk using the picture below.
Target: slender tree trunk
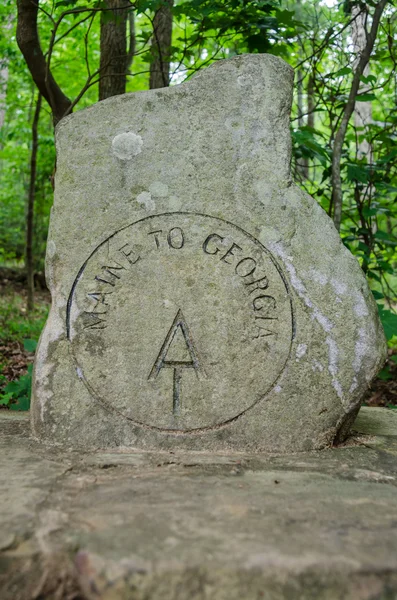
(310, 101)
(300, 73)
(362, 110)
(4, 62)
(161, 46)
(337, 195)
(3, 90)
(310, 114)
(299, 86)
(29, 44)
(303, 166)
(30, 212)
(367, 237)
(131, 39)
(114, 56)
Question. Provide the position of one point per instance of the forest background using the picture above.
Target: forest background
(61, 56)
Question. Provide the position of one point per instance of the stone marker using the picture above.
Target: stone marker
(201, 300)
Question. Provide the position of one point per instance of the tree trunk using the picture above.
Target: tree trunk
(114, 56)
(299, 85)
(29, 44)
(337, 195)
(310, 101)
(3, 90)
(303, 166)
(132, 39)
(30, 212)
(4, 61)
(362, 110)
(310, 118)
(161, 46)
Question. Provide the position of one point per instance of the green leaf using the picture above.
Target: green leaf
(18, 392)
(389, 321)
(23, 403)
(30, 345)
(374, 275)
(369, 212)
(357, 173)
(366, 97)
(5, 399)
(375, 210)
(13, 388)
(363, 247)
(368, 78)
(342, 72)
(385, 374)
(385, 237)
(377, 295)
(66, 3)
(388, 157)
(382, 235)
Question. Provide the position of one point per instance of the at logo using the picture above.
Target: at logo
(178, 352)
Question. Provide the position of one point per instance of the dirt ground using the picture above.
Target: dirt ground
(384, 392)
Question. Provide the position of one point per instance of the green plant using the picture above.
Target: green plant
(16, 324)
(17, 393)
(389, 322)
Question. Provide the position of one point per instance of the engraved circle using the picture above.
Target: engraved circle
(180, 322)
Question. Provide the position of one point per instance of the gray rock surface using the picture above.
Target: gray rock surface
(201, 300)
(123, 525)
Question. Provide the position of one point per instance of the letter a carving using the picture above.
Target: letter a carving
(188, 359)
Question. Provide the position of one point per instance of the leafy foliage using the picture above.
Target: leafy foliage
(17, 393)
(316, 39)
(17, 329)
(16, 324)
(389, 321)
(369, 156)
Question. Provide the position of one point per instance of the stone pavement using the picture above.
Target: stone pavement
(129, 525)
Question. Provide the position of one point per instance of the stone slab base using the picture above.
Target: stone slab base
(197, 526)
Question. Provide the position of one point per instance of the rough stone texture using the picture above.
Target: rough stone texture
(123, 525)
(201, 300)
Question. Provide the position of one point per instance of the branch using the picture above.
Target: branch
(161, 46)
(131, 39)
(29, 44)
(330, 35)
(337, 195)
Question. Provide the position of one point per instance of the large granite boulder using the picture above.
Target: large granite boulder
(200, 299)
